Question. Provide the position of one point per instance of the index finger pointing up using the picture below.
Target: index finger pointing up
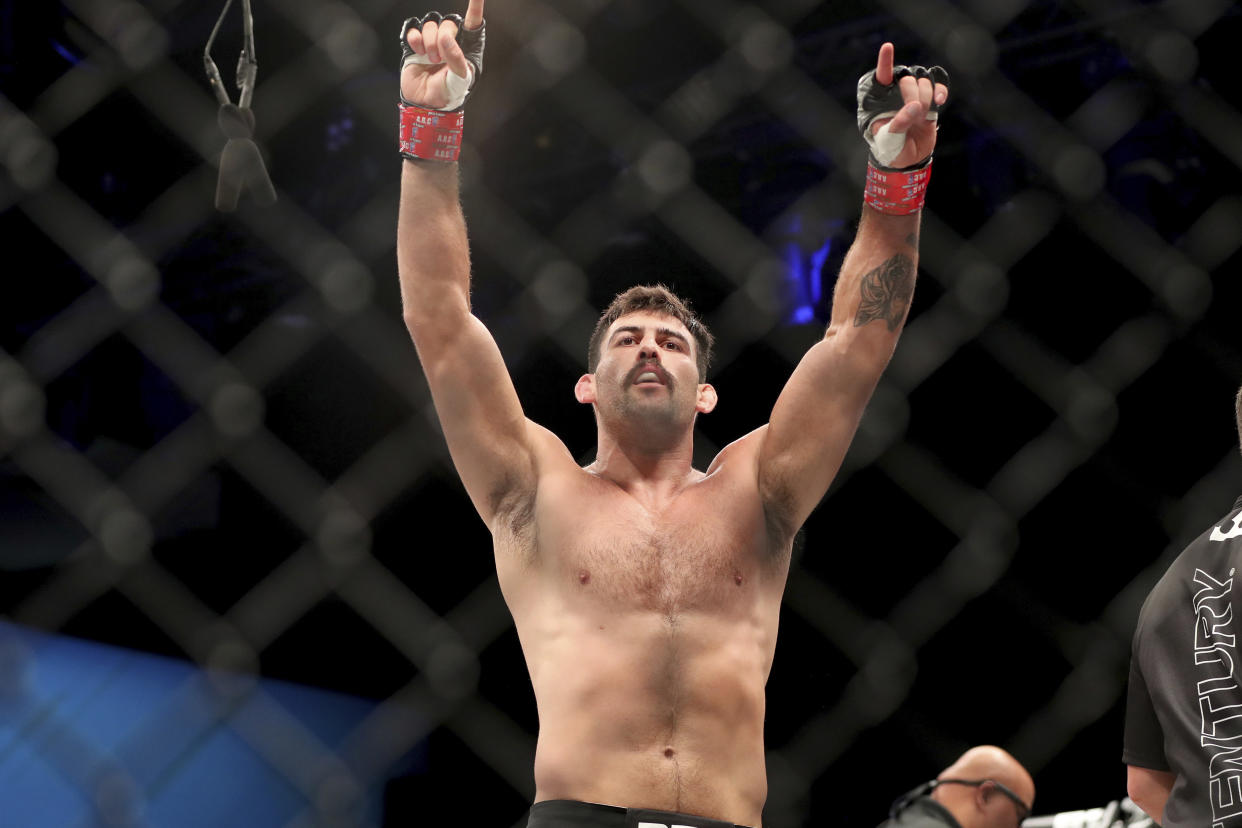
(883, 64)
(474, 14)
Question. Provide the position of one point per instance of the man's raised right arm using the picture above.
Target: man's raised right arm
(488, 436)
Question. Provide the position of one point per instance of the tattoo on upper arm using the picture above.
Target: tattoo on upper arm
(886, 292)
(913, 240)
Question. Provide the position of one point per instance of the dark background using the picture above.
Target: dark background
(1057, 423)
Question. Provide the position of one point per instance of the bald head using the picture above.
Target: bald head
(989, 762)
(985, 806)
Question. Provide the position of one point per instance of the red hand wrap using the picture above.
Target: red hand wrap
(429, 133)
(896, 193)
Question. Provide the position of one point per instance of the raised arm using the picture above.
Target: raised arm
(487, 434)
(818, 411)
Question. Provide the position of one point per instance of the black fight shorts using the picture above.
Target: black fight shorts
(567, 813)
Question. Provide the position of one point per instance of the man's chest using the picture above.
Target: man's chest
(706, 549)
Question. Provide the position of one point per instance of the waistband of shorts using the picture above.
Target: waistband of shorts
(607, 816)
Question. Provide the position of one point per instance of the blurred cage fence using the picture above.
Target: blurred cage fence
(216, 446)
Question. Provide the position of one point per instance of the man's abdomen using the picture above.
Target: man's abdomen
(653, 712)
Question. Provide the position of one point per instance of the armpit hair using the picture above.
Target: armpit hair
(513, 510)
(781, 530)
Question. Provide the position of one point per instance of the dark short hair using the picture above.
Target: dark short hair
(656, 299)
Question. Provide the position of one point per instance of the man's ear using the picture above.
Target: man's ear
(707, 399)
(584, 389)
(982, 794)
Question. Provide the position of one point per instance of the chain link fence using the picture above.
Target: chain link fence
(216, 443)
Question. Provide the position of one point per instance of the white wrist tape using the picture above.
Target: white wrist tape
(454, 84)
(885, 145)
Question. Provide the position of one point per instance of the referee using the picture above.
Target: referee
(1183, 731)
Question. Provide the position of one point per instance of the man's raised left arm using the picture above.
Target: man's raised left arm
(818, 411)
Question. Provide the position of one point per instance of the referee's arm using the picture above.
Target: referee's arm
(1149, 789)
(1148, 778)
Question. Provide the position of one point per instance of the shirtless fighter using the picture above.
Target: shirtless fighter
(646, 592)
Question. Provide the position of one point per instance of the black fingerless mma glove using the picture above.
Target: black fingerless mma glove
(435, 134)
(876, 100)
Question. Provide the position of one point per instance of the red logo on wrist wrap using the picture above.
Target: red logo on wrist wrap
(896, 193)
(429, 133)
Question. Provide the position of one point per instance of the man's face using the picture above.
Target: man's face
(647, 370)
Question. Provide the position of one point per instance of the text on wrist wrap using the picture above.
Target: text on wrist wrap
(896, 192)
(429, 133)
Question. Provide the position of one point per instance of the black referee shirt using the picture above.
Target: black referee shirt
(1184, 705)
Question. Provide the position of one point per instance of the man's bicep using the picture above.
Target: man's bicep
(488, 436)
(814, 421)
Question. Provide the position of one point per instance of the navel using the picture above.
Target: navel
(584, 577)
(668, 753)
(737, 578)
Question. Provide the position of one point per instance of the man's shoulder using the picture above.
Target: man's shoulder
(1221, 536)
(1207, 562)
(741, 453)
(513, 497)
(742, 459)
(552, 456)
(1227, 530)
(1219, 544)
